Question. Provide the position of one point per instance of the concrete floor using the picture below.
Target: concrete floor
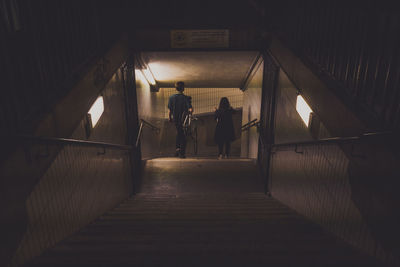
(201, 176)
(202, 212)
(205, 130)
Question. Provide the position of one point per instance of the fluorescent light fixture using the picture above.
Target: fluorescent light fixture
(303, 109)
(96, 110)
(149, 76)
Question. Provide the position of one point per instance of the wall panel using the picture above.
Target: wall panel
(151, 107)
(344, 193)
(251, 110)
(81, 183)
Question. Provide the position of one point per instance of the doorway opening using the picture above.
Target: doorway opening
(208, 76)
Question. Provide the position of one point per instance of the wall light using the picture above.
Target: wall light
(303, 109)
(96, 111)
(149, 76)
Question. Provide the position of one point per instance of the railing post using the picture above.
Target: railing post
(267, 118)
(132, 120)
(139, 134)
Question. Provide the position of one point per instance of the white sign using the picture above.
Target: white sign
(199, 38)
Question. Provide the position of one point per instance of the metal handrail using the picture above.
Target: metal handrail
(334, 139)
(250, 124)
(56, 140)
(246, 124)
(152, 126)
(142, 124)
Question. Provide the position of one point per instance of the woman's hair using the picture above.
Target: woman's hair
(224, 103)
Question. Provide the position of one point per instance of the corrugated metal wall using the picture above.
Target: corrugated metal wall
(44, 49)
(354, 47)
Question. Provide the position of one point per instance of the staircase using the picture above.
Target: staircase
(176, 221)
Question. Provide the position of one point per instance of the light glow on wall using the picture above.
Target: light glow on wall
(149, 76)
(303, 109)
(166, 71)
(140, 77)
(96, 110)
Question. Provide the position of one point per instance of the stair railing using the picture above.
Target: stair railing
(148, 124)
(254, 123)
(46, 149)
(250, 124)
(333, 140)
(349, 140)
(330, 180)
(65, 178)
(352, 140)
(28, 141)
(68, 141)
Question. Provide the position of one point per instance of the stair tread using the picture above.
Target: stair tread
(186, 224)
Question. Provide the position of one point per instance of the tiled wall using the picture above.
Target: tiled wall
(81, 183)
(205, 99)
(251, 110)
(151, 107)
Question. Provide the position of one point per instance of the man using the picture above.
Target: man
(179, 106)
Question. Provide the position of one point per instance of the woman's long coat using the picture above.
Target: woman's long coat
(224, 131)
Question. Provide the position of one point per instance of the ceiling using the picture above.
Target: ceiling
(193, 13)
(222, 69)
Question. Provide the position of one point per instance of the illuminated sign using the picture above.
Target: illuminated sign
(200, 38)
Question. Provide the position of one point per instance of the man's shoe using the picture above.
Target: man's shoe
(177, 153)
(182, 156)
(220, 156)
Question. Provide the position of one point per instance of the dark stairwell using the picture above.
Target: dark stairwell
(318, 202)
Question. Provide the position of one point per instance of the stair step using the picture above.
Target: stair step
(201, 224)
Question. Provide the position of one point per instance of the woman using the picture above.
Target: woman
(224, 131)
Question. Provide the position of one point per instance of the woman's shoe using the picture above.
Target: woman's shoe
(220, 156)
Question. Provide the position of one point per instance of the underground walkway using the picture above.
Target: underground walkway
(201, 212)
